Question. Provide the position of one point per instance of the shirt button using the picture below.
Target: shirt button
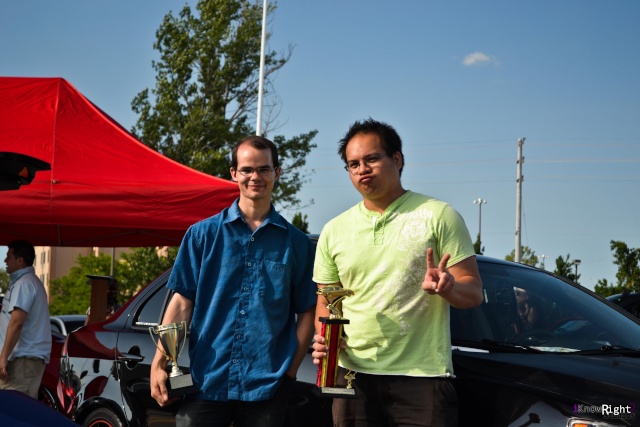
(245, 289)
(249, 264)
(252, 239)
(234, 361)
(241, 311)
(238, 337)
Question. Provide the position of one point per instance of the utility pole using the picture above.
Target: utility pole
(519, 179)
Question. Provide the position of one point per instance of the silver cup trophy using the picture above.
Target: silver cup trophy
(170, 342)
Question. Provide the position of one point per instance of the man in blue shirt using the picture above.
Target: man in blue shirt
(242, 279)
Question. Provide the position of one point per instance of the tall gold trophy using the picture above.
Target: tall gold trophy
(170, 342)
(332, 329)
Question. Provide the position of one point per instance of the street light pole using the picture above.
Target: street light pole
(543, 256)
(576, 263)
(480, 202)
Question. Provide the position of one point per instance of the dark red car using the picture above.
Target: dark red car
(50, 387)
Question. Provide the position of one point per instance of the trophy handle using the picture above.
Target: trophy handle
(154, 330)
(182, 326)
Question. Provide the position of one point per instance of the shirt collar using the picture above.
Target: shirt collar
(19, 273)
(273, 218)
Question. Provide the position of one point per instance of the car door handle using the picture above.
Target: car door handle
(130, 358)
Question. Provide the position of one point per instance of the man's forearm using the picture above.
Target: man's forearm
(14, 329)
(304, 333)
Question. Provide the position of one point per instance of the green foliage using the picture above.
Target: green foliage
(628, 261)
(292, 155)
(477, 246)
(4, 280)
(566, 268)
(604, 288)
(527, 256)
(206, 91)
(140, 267)
(300, 222)
(72, 293)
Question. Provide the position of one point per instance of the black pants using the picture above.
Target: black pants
(264, 413)
(397, 400)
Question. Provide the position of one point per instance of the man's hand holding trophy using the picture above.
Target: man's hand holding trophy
(171, 339)
(332, 330)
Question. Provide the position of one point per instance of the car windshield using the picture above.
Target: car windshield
(532, 310)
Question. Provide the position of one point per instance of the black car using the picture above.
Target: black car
(538, 350)
(630, 301)
(544, 350)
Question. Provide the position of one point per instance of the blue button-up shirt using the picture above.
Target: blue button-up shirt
(246, 287)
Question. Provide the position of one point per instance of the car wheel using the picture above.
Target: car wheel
(103, 417)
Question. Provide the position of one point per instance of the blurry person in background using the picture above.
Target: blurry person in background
(25, 330)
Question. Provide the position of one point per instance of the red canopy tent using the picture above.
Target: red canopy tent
(105, 188)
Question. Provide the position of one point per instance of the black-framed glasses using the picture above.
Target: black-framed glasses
(370, 161)
(262, 171)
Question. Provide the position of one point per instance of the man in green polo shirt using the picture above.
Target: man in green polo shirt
(407, 257)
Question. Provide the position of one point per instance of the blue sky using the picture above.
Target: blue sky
(461, 81)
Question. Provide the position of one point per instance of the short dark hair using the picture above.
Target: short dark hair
(391, 142)
(23, 249)
(259, 142)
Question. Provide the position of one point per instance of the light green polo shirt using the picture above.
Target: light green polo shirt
(396, 327)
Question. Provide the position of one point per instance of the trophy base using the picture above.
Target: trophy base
(335, 392)
(181, 385)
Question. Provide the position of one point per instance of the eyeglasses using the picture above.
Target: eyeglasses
(369, 161)
(262, 171)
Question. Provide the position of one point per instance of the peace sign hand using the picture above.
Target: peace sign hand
(437, 280)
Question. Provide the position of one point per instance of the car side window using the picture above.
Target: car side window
(55, 328)
(151, 312)
(634, 308)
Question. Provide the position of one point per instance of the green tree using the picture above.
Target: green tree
(477, 246)
(604, 288)
(139, 267)
(72, 293)
(300, 222)
(628, 261)
(527, 256)
(205, 96)
(565, 268)
(4, 280)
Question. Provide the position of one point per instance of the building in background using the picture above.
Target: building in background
(53, 262)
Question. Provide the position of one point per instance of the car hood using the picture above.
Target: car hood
(586, 379)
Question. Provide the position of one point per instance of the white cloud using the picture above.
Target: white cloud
(477, 58)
